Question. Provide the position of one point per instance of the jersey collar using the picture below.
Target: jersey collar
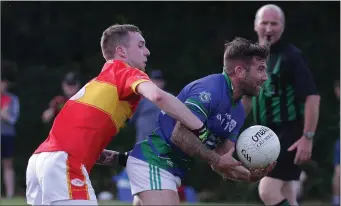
(230, 89)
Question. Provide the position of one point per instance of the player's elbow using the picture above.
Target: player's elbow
(158, 97)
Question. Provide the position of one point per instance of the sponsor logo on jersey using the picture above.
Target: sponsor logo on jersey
(77, 182)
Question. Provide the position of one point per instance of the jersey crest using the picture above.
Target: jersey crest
(205, 97)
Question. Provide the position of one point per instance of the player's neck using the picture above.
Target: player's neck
(232, 82)
(117, 58)
(237, 93)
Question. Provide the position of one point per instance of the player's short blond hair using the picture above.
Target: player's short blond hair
(114, 36)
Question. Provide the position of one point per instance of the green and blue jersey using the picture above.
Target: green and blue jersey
(210, 99)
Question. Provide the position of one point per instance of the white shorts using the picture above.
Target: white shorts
(144, 176)
(56, 176)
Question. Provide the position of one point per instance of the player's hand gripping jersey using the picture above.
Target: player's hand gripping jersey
(90, 119)
(156, 161)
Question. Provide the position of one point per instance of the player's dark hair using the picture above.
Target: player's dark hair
(241, 49)
(114, 36)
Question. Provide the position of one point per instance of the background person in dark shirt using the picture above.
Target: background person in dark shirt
(9, 113)
(70, 86)
(288, 104)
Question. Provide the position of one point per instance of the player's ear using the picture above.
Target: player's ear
(239, 71)
(121, 51)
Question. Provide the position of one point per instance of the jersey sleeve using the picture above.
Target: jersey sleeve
(200, 101)
(303, 80)
(128, 80)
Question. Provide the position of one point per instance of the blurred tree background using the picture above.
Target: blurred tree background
(186, 40)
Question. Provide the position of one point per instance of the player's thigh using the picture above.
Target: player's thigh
(33, 189)
(147, 179)
(74, 202)
(159, 197)
(62, 177)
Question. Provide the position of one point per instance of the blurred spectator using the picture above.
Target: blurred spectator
(187, 194)
(146, 113)
(336, 178)
(70, 86)
(123, 187)
(9, 116)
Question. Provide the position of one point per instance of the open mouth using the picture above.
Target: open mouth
(268, 38)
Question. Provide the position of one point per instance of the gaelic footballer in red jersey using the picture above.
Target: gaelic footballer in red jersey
(57, 172)
(96, 112)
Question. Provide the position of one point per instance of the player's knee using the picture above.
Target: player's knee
(270, 191)
(159, 197)
(137, 201)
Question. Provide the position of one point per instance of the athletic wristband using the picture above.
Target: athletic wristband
(122, 158)
(200, 130)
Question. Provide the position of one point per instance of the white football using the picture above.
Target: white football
(258, 146)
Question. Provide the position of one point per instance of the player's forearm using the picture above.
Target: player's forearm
(108, 158)
(247, 104)
(176, 109)
(111, 158)
(311, 113)
(191, 145)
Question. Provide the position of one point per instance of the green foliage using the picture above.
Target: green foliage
(186, 39)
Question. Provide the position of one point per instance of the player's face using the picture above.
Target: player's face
(269, 26)
(255, 77)
(137, 52)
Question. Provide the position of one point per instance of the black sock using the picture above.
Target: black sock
(283, 203)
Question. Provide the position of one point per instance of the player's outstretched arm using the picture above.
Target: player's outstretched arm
(169, 104)
(190, 144)
(111, 158)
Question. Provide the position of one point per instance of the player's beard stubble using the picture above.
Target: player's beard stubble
(250, 87)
